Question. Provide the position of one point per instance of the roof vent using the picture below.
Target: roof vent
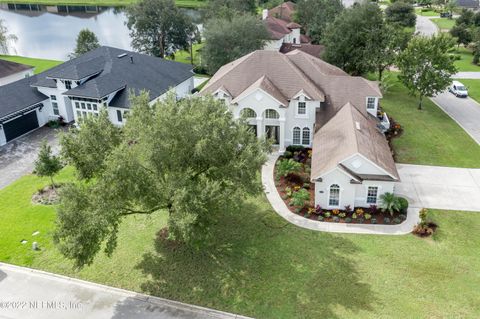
(357, 125)
(121, 55)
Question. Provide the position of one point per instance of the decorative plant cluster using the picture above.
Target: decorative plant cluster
(293, 178)
(426, 227)
(292, 174)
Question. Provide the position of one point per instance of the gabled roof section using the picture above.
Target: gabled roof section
(267, 86)
(350, 132)
(19, 95)
(284, 75)
(112, 69)
(315, 50)
(9, 68)
(276, 27)
(283, 11)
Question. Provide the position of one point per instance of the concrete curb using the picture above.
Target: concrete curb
(281, 209)
(126, 293)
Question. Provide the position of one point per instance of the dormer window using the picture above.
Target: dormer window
(302, 108)
(68, 85)
(371, 102)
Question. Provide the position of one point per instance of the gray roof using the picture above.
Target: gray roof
(19, 95)
(468, 3)
(8, 68)
(109, 73)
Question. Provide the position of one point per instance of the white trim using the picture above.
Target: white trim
(330, 193)
(300, 93)
(366, 196)
(244, 94)
(396, 179)
(333, 169)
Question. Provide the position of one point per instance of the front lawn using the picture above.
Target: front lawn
(264, 267)
(444, 24)
(426, 12)
(430, 136)
(39, 64)
(465, 64)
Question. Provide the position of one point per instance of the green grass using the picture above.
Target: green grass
(465, 63)
(39, 64)
(473, 87)
(444, 24)
(428, 13)
(265, 267)
(180, 3)
(184, 55)
(430, 136)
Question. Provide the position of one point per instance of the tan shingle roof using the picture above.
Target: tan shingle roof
(276, 27)
(283, 11)
(340, 138)
(266, 85)
(284, 75)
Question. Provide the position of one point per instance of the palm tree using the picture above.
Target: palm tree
(390, 203)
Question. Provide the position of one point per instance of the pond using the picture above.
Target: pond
(49, 32)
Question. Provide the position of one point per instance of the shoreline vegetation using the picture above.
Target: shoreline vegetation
(194, 4)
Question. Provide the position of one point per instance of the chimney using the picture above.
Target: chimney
(131, 59)
(264, 14)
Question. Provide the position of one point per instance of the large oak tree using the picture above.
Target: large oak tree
(189, 159)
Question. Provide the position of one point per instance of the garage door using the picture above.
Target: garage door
(20, 126)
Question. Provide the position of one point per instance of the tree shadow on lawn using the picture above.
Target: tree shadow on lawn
(261, 266)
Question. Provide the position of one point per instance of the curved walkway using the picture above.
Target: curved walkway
(279, 206)
(424, 26)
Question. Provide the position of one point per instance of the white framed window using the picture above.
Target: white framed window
(334, 195)
(55, 108)
(296, 136)
(271, 114)
(68, 85)
(306, 136)
(119, 116)
(248, 113)
(372, 194)
(302, 108)
(371, 103)
(53, 97)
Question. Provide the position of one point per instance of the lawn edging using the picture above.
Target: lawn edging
(281, 209)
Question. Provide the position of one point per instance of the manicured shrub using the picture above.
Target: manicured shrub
(361, 220)
(403, 205)
(287, 167)
(295, 148)
(335, 219)
(397, 220)
(386, 220)
(368, 216)
(335, 212)
(354, 216)
(374, 220)
(390, 203)
(348, 209)
(342, 215)
(298, 210)
(402, 217)
(320, 218)
(318, 210)
(327, 214)
(287, 155)
(306, 185)
(301, 197)
(359, 212)
(373, 209)
(348, 220)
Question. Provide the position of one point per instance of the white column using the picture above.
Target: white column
(281, 148)
(260, 128)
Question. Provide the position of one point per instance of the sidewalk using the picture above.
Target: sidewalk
(28, 293)
(279, 206)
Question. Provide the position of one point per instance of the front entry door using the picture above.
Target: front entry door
(273, 132)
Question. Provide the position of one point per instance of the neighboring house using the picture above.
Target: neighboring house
(468, 4)
(102, 78)
(12, 71)
(288, 97)
(285, 34)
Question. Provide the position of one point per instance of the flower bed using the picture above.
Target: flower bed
(292, 179)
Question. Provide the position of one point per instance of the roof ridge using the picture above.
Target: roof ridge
(302, 74)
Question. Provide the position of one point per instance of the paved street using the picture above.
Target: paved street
(467, 75)
(17, 157)
(465, 111)
(425, 27)
(42, 295)
(440, 187)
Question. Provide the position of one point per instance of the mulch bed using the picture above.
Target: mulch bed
(303, 180)
(46, 196)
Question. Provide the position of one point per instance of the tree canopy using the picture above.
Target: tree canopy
(315, 15)
(159, 27)
(227, 9)
(189, 159)
(351, 41)
(227, 40)
(401, 13)
(86, 41)
(5, 38)
(425, 65)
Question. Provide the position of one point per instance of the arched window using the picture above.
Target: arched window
(271, 114)
(306, 136)
(334, 196)
(296, 136)
(248, 113)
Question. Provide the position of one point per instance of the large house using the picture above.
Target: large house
(297, 99)
(102, 78)
(12, 71)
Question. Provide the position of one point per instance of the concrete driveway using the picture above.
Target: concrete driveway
(26, 293)
(440, 187)
(465, 111)
(17, 157)
(424, 26)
